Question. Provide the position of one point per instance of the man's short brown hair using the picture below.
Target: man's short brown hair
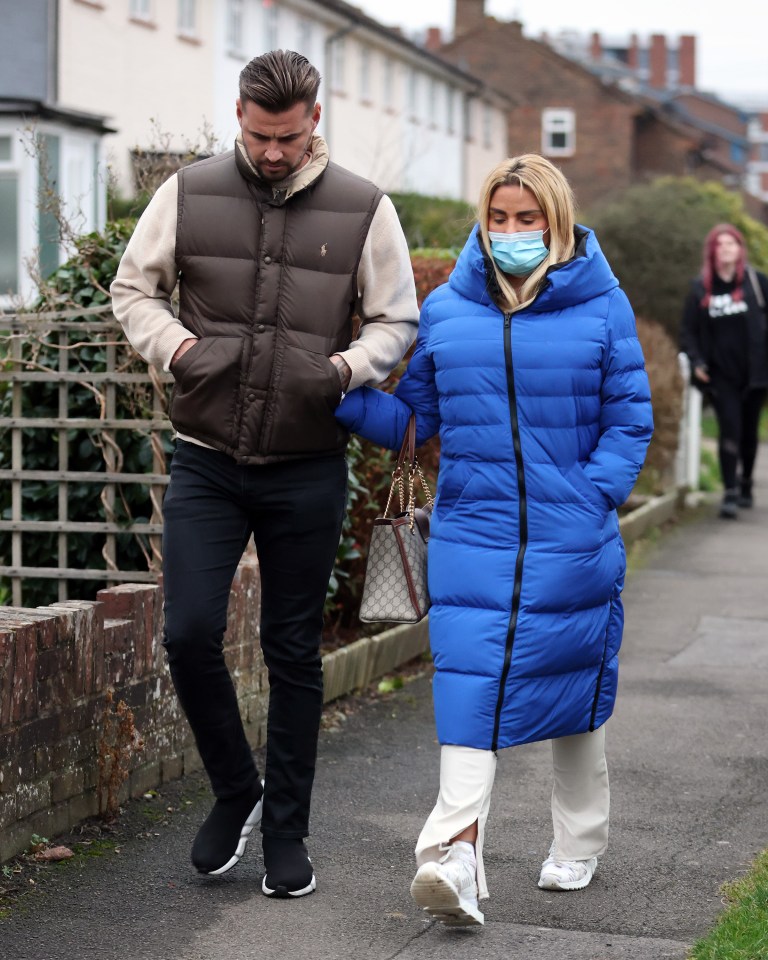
(278, 80)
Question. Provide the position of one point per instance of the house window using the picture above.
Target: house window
(487, 126)
(388, 97)
(338, 64)
(234, 35)
(432, 101)
(365, 73)
(271, 24)
(9, 219)
(469, 119)
(187, 21)
(305, 37)
(450, 109)
(413, 106)
(140, 9)
(558, 133)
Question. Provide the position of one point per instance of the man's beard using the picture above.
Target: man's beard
(282, 171)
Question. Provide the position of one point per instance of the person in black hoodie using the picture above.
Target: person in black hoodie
(724, 333)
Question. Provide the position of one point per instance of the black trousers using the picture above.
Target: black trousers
(738, 420)
(294, 511)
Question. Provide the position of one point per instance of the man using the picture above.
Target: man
(274, 248)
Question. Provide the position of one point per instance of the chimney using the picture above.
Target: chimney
(468, 16)
(434, 39)
(686, 61)
(595, 48)
(657, 62)
(633, 53)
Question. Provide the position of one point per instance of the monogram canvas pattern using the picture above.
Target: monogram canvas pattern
(385, 591)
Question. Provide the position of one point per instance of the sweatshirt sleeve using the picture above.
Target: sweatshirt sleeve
(626, 417)
(145, 281)
(387, 300)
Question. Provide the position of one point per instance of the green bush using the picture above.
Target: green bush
(653, 234)
(431, 222)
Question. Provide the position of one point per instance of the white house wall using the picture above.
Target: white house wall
(483, 152)
(383, 134)
(136, 74)
(139, 74)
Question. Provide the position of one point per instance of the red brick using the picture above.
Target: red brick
(7, 672)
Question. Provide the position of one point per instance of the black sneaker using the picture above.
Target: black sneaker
(222, 839)
(728, 508)
(289, 869)
(745, 499)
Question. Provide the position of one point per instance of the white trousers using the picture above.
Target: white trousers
(580, 800)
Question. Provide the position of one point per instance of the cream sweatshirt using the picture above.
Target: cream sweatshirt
(147, 277)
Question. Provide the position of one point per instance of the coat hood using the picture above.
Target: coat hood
(585, 276)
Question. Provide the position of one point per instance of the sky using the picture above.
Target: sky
(731, 37)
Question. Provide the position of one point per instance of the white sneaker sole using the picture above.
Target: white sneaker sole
(550, 881)
(268, 891)
(254, 818)
(440, 899)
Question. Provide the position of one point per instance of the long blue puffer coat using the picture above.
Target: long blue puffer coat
(544, 418)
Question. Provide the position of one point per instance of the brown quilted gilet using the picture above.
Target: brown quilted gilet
(269, 286)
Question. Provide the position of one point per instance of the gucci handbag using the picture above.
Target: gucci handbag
(395, 587)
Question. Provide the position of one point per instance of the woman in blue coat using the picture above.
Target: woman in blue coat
(528, 365)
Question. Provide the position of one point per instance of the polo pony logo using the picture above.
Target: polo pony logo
(323, 249)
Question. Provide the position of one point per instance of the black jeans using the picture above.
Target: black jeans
(738, 419)
(294, 511)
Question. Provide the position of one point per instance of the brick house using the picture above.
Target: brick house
(605, 130)
(757, 166)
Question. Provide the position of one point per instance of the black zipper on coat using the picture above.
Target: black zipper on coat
(523, 514)
(600, 673)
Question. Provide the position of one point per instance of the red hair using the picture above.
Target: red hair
(708, 262)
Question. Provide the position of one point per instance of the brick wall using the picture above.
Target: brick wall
(57, 664)
(536, 77)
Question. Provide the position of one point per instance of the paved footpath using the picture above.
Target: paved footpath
(688, 758)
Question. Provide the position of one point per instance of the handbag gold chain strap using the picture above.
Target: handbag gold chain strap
(397, 481)
(414, 471)
(408, 455)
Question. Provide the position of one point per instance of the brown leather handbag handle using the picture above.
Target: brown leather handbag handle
(408, 447)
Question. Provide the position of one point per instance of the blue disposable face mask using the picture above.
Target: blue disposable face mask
(518, 253)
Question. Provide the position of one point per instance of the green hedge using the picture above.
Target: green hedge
(653, 235)
(429, 222)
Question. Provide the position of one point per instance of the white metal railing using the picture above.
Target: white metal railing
(688, 460)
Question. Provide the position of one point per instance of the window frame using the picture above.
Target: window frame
(141, 11)
(11, 169)
(388, 84)
(186, 19)
(558, 120)
(305, 36)
(235, 17)
(271, 24)
(338, 65)
(365, 65)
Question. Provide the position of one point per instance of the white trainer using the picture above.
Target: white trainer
(447, 891)
(566, 874)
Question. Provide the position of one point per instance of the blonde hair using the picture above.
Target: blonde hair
(555, 197)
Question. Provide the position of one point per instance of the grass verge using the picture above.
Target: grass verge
(741, 932)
